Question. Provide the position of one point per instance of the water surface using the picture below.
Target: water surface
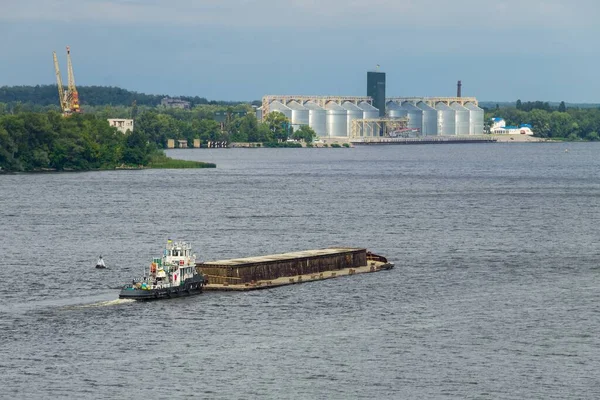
(495, 292)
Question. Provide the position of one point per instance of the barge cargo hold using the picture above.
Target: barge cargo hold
(269, 271)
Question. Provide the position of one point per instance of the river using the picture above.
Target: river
(495, 294)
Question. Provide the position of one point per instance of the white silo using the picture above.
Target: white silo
(282, 108)
(462, 119)
(337, 125)
(430, 119)
(414, 114)
(300, 114)
(316, 118)
(394, 110)
(446, 119)
(258, 113)
(370, 112)
(353, 112)
(475, 119)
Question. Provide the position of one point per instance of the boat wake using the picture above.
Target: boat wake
(107, 303)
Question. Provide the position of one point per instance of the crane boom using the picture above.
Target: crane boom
(72, 90)
(61, 89)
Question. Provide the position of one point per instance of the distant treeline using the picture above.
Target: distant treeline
(549, 121)
(46, 95)
(535, 104)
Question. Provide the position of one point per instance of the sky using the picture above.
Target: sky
(244, 49)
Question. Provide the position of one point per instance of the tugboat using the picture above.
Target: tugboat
(172, 275)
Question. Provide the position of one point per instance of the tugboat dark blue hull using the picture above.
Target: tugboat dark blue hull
(189, 288)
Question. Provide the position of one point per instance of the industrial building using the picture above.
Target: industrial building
(351, 117)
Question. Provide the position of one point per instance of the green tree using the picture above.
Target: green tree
(305, 133)
(560, 124)
(540, 122)
(562, 107)
(137, 151)
(519, 104)
(134, 110)
(592, 136)
(7, 152)
(278, 124)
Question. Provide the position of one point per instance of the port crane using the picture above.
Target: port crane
(69, 99)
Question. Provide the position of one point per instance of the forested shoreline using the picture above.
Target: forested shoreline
(51, 142)
(35, 136)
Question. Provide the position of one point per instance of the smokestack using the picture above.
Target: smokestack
(459, 89)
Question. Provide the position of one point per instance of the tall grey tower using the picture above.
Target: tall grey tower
(376, 90)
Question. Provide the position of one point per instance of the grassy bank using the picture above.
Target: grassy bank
(160, 160)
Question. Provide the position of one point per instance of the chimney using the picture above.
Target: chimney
(459, 89)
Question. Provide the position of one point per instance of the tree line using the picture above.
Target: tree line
(159, 126)
(48, 141)
(547, 121)
(206, 120)
(46, 95)
(34, 141)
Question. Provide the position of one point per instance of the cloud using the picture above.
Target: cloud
(313, 14)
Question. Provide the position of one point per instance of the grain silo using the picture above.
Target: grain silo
(462, 119)
(394, 110)
(414, 114)
(430, 119)
(316, 118)
(353, 112)
(446, 119)
(300, 114)
(337, 125)
(370, 112)
(282, 108)
(475, 119)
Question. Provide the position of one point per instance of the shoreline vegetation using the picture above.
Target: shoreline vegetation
(160, 160)
(35, 136)
(45, 142)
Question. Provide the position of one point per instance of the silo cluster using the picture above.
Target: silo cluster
(335, 116)
(439, 119)
(333, 119)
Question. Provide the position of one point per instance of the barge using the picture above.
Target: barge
(275, 270)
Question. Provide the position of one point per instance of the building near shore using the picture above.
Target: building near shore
(122, 125)
(499, 127)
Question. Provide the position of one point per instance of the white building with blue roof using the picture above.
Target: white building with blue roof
(499, 127)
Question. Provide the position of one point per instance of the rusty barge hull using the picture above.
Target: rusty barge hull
(269, 271)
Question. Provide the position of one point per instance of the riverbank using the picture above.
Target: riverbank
(519, 139)
(161, 161)
(156, 162)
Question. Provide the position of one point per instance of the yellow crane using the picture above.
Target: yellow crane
(61, 90)
(69, 99)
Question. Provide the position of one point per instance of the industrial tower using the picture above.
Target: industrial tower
(69, 100)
